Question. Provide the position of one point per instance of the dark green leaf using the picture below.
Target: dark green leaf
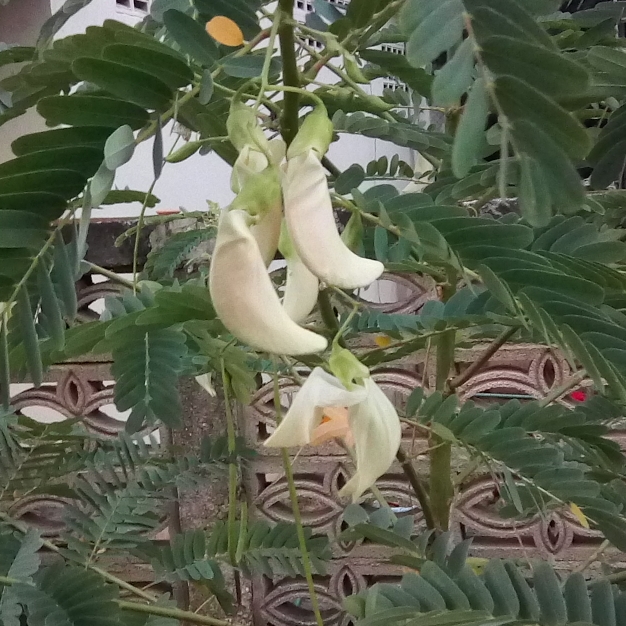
(191, 37)
(249, 66)
(439, 30)
(349, 179)
(81, 110)
(128, 83)
(469, 136)
(549, 72)
(360, 11)
(559, 174)
(521, 102)
(87, 136)
(173, 72)
(455, 77)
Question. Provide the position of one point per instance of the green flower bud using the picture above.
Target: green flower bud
(346, 367)
(260, 193)
(315, 134)
(352, 234)
(353, 70)
(243, 128)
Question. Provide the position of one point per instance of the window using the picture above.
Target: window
(143, 6)
(394, 85)
(340, 3)
(394, 49)
(313, 43)
(303, 5)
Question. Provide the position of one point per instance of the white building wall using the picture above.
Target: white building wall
(199, 179)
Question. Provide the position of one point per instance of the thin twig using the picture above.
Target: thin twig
(418, 487)
(232, 469)
(555, 394)
(482, 360)
(295, 506)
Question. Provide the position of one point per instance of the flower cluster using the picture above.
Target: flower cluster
(282, 201)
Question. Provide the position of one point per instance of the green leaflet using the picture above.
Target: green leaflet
(438, 29)
(81, 110)
(471, 131)
(520, 102)
(455, 77)
(191, 37)
(549, 72)
(130, 84)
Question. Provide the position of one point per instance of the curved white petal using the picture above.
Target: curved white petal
(311, 223)
(266, 230)
(319, 390)
(301, 290)
(244, 297)
(376, 430)
(277, 150)
(248, 163)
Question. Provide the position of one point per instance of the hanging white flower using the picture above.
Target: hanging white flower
(244, 297)
(301, 286)
(363, 417)
(311, 223)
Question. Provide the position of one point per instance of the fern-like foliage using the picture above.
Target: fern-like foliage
(447, 590)
(163, 262)
(120, 497)
(261, 548)
(19, 560)
(147, 361)
(69, 595)
(39, 457)
(555, 451)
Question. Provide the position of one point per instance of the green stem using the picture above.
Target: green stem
(112, 276)
(147, 132)
(291, 75)
(327, 312)
(163, 611)
(483, 359)
(298, 90)
(5, 365)
(142, 215)
(418, 487)
(441, 487)
(295, 507)
(555, 394)
(265, 72)
(232, 470)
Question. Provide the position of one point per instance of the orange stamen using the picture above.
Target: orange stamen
(334, 425)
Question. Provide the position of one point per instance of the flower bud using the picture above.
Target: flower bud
(346, 367)
(243, 128)
(315, 134)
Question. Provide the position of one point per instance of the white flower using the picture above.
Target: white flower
(266, 230)
(311, 224)
(244, 297)
(364, 418)
(301, 287)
